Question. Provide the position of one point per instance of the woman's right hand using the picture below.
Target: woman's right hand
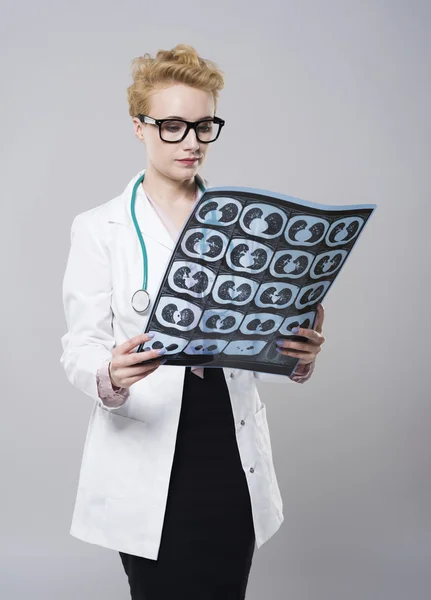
(128, 367)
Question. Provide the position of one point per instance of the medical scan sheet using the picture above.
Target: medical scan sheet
(248, 266)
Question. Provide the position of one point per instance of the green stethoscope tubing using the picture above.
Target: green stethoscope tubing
(141, 239)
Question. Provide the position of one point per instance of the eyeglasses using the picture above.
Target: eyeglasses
(175, 130)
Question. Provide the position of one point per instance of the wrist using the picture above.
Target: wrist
(114, 387)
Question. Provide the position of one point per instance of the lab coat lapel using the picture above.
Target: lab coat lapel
(148, 220)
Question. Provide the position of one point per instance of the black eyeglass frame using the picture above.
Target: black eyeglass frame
(189, 125)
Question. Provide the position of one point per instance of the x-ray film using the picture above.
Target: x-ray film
(249, 266)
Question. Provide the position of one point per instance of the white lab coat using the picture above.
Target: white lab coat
(128, 453)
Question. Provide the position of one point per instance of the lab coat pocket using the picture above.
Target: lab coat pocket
(112, 454)
(264, 441)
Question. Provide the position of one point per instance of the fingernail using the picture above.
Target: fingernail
(295, 330)
(279, 342)
(162, 362)
(161, 351)
(150, 335)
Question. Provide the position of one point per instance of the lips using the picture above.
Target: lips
(188, 161)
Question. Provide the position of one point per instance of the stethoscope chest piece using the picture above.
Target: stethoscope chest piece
(140, 301)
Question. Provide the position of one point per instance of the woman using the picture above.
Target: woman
(177, 472)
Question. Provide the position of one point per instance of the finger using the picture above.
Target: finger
(130, 344)
(143, 372)
(141, 357)
(314, 336)
(135, 358)
(320, 318)
(139, 368)
(304, 357)
(289, 344)
(307, 356)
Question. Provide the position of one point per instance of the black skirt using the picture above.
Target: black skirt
(208, 538)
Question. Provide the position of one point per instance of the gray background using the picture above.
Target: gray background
(326, 101)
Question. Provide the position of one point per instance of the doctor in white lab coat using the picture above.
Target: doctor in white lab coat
(129, 448)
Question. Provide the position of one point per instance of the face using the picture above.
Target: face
(189, 104)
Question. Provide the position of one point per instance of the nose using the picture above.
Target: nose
(191, 142)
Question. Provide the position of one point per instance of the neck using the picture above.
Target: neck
(166, 191)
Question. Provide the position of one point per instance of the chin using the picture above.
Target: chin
(181, 176)
(188, 172)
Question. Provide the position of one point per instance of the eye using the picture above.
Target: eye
(205, 127)
(173, 126)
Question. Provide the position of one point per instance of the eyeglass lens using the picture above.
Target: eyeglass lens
(172, 131)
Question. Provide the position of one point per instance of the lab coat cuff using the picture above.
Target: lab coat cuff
(111, 397)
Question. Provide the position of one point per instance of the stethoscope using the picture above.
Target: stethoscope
(141, 298)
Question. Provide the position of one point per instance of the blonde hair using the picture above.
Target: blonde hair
(182, 64)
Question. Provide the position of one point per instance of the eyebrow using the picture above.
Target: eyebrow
(183, 119)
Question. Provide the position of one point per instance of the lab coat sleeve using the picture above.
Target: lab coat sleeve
(271, 377)
(87, 292)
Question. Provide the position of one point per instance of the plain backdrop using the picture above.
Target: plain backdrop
(328, 101)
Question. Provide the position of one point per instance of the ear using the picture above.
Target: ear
(138, 129)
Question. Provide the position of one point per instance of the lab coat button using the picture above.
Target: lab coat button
(251, 470)
(232, 375)
(242, 422)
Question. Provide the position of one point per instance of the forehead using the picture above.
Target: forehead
(181, 101)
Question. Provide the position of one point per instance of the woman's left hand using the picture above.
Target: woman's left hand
(305, 351)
